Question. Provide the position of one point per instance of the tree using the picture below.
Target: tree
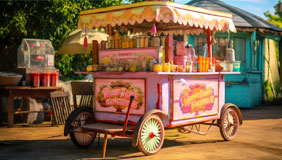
(275, 19)
(49, 19)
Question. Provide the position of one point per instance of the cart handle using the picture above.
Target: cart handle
(127, 115)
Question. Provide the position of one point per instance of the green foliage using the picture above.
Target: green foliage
(276, 20)
(134, 1)
(49, 19)
(268, 91)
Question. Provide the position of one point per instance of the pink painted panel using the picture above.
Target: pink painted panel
(136, 55)
(194, 98)
(113, 94)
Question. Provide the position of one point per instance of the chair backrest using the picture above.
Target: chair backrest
(60, 106)
(86, 90)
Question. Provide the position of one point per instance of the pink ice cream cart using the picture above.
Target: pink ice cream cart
(139, 91)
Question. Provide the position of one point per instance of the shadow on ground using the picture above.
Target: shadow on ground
(119, 148)
(262, 112)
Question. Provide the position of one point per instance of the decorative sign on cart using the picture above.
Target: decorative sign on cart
(133, 55)
(195, 98)
(113, 95)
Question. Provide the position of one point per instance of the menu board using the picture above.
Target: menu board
(194, 98)
(113, 95)
(131, 55)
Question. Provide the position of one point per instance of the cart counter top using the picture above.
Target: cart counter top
(162, 73)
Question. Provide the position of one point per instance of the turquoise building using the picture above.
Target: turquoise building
(254, 45)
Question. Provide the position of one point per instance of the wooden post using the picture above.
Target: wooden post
(280, 59)
(10, 111)
(169, 49)
(105, 145)
(95, 52)
(1, 112)
(209, 42)
(209, 48)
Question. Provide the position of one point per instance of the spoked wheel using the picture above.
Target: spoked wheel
(151, 137)
(229, 124)
(79, 137)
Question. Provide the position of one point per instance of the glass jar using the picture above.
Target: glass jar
(146, 41)
(116, 44)
(142, 41)
(134, 42)
(137, 42)
(131, 43)
(156, 41)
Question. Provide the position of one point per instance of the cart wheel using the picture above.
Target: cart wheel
(229, 124)
(151, 137)
(82, 116)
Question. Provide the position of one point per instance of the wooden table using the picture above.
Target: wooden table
(22, 91)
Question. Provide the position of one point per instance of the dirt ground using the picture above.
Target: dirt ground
(260, 138)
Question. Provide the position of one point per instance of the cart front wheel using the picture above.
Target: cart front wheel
(151, 137)
(229, 124)
(79, 137)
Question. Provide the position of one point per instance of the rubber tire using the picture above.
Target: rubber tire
(71, 119)
(140, 144)
(223, 132)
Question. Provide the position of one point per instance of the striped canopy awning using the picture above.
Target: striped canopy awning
(169, 18)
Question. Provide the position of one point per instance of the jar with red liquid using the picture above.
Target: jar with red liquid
(35, 78)
(45, 78)
(54, 78)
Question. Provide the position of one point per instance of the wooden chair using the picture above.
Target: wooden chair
(60, 106)
(85, 90)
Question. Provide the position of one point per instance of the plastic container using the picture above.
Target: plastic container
(227, 66)
(35, 53)
(180, 48)
(189, 66)
(35, 79)
(180, 60)
(195, 66)
(236, 66)
(230, 55)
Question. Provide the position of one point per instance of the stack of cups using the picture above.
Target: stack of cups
(207, 63)
(45, 78)
(203, 64)
(35, 78)
(200, 63)
(54, 77)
